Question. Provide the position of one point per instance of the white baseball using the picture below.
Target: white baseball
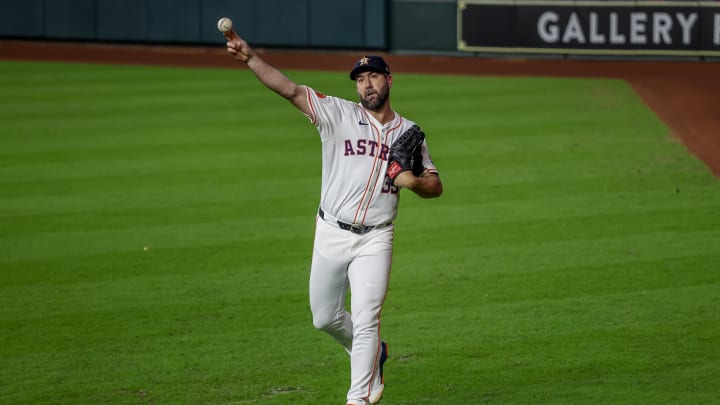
(224, 24)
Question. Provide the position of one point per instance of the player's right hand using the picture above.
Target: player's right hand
(239, 49)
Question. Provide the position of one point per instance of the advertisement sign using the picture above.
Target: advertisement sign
(590, 27)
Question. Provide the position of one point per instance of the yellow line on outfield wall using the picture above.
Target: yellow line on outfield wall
(659, 52)
(462, 5)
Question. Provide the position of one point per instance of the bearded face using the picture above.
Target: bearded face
(373, 89)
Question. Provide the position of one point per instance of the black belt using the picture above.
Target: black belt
(354, 228)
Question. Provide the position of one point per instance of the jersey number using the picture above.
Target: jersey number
(388, 187)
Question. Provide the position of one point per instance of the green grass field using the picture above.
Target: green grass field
(573, 259)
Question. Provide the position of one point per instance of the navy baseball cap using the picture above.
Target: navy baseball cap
(373, 63)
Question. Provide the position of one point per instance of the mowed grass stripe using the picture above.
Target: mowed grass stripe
(93, 219)
(574, 257)
(495, 214)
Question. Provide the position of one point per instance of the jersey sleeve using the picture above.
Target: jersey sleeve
(426, 160)
(326, 112)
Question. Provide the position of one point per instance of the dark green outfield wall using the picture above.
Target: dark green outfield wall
(427, 25)
(415, 24)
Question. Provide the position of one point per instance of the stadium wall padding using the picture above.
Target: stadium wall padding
(278, 23)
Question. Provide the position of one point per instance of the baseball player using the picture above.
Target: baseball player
(369, 152)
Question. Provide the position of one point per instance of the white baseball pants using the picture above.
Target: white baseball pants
(362, 262)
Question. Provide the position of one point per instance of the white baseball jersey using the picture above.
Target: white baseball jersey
(355, 148)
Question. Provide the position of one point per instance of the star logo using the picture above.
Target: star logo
(364, 60)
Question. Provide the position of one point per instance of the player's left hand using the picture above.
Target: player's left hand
(405, 154)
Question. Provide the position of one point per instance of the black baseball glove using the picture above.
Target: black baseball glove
(405, 153)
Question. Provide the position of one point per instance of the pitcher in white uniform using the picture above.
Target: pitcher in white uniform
(358, 203)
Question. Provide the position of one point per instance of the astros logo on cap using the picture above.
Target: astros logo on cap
(372, 63)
